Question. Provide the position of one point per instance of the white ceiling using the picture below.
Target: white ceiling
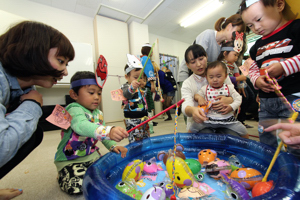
(161, 16)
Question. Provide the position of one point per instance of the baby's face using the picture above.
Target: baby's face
(216, 76)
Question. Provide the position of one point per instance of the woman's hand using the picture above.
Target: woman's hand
(34, 95)
(198, 115)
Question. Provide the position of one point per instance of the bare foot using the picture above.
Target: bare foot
(9, 193)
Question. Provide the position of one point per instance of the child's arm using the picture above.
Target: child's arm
(82, 126)
(259, 82)
(287, 67)
(112, 146)
(129, 90)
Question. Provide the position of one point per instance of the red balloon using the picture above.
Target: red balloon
(261, 188)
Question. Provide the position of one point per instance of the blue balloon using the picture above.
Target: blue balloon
(102, 176)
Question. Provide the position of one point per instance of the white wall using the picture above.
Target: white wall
(112, 43)
(77, 28)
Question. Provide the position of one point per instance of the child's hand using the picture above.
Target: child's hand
(198, 115)
(264, 85)
(201, 101)
(220, 102)
(118, 133)
(275, 70)
(121, 149)
(241, 78)
(135, 84)
(226, 109)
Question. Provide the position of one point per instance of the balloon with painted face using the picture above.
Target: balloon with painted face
(129, 187)
(154, 193)
(166, 186)
(207, 155)
(194, 165)
(133, 170)
(150, 166)
(183, 175)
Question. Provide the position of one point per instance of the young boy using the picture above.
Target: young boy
(278, 52)
(77, 150)
(216, 73)
(135, 107)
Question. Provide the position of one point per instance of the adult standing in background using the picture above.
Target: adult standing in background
(211, 40)
(31, 53)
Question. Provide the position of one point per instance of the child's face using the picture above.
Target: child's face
(216, 76)
(197, 65)
(231, 57)
(262, 20)
(133, 75)
(89, 96)
(143, 81)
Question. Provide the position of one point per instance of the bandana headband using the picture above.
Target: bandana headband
(227, 49)
(83, 82)
(250, 2)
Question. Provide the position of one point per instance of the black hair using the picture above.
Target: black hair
(266, 3)
(126, 66)
(215, 64)
(225, 44)
(197, 51)
(145, 50)
(24, 49)
(81, 75)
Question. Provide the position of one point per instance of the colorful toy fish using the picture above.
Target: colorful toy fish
(154, 193)
(150, 166)
(207, 155)
(191, 193)
(248, 177)
(214, 168)
(235, 162)
(129, 187)
(166, 186)
(194, 165)
(234, 189)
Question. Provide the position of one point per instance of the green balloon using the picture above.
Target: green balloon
(194, 165)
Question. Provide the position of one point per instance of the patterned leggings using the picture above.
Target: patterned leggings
(140, 133)
(71, 176)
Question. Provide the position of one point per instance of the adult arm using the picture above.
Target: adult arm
(17, 127)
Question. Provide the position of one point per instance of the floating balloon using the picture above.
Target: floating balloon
(194, 165)
(162, 155)
(248, 177)
(207, 155)
(191, 192)
(133, 170)
(214, 168)
(262, 188)
(150, 166)
(183, 175)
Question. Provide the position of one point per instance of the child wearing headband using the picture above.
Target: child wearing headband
(278, 52)
(77, 149)
(135, 107)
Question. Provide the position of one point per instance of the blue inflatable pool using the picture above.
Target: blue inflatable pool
(101, 178)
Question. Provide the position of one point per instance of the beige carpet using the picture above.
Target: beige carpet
(36, 175)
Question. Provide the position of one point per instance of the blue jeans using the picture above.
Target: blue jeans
(272, 109)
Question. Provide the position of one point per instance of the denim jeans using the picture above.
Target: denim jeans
(272, 109)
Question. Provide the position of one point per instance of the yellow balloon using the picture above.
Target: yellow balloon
(133, 170)
(183, 175)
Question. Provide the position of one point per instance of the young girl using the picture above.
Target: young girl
(211, 40)
(196, 61)
(216, 73)
(229, 56)
(77, 149)
(31, 53)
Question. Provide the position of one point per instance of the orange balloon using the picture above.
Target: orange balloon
(261, 188)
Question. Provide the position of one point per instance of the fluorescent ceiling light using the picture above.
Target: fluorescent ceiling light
(201, 12)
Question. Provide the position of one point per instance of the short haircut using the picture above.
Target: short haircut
(215, 64)
(126, 66)
(24, 49)
(235, 20)
(81, 75)
(197, 51)
(145, 50)
(266, 3)
(225, 44)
